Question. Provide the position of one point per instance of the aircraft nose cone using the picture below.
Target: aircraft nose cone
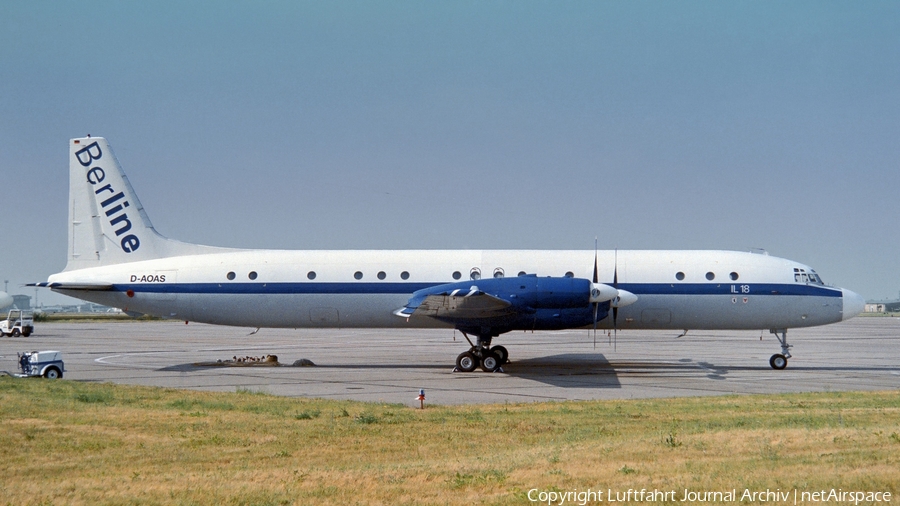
(853, 304)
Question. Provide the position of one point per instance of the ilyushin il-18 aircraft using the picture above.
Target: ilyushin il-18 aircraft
(117, 258)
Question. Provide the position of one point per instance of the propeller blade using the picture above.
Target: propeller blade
(615, 327)
(616, 308)
(616, 270)
(596, 304)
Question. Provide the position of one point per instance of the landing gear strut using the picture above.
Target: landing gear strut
(490, 359)
(779, 360)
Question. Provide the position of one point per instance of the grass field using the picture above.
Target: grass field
(67, 442)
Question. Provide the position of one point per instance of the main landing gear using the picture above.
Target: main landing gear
(490, 359)
(779, 360)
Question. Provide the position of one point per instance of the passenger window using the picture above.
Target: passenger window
(252, 275)
(498, 272)
(382, 275)
(457, 274)
(475, 273)
(230, 276)
(404, 275)
(358, 275)
(311, 275)
(679, 276)
(710, 276)
(570, 274)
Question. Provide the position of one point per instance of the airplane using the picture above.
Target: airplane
(117, 258)
(6, 300)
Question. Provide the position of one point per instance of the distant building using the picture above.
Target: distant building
(882, 306)
(87, 307)
(22, 301)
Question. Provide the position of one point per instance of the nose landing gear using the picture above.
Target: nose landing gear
(779, 360)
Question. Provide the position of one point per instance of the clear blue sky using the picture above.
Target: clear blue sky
(658, 125)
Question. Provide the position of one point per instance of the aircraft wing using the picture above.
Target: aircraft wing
(504, 302)
(460, 307)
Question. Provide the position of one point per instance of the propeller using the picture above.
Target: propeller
(596, 279)
(601, 292)
(622, 298)
(614, 301)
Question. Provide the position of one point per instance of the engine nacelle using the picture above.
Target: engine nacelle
(525, 302)
(525, 293)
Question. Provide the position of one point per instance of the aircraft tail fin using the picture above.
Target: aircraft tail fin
(107, 223)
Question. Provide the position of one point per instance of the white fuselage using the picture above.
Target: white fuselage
(359, 288)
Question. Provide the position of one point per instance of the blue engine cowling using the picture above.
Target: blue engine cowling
(548, 303)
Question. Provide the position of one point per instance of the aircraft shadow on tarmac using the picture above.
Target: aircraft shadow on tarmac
(595, 371)
(588, 370)
(571, 370)
(585, 370)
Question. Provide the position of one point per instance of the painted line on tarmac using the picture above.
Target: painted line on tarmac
(104, 361)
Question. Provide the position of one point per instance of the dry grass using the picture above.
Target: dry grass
(80, 443)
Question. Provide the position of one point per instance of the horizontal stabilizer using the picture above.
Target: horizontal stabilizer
(94, 287)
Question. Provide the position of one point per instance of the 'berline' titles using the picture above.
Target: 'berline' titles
(95, 176)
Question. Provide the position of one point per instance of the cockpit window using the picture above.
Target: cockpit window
(801, 276)
(814, 278)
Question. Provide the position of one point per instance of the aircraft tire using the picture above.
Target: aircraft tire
(490, 362)
(466, 361)
(501, 353)
(778, 361)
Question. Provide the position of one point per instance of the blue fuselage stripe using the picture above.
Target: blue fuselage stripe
(360, 288)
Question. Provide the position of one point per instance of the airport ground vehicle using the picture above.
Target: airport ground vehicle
(48, 364)
(18, 322)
